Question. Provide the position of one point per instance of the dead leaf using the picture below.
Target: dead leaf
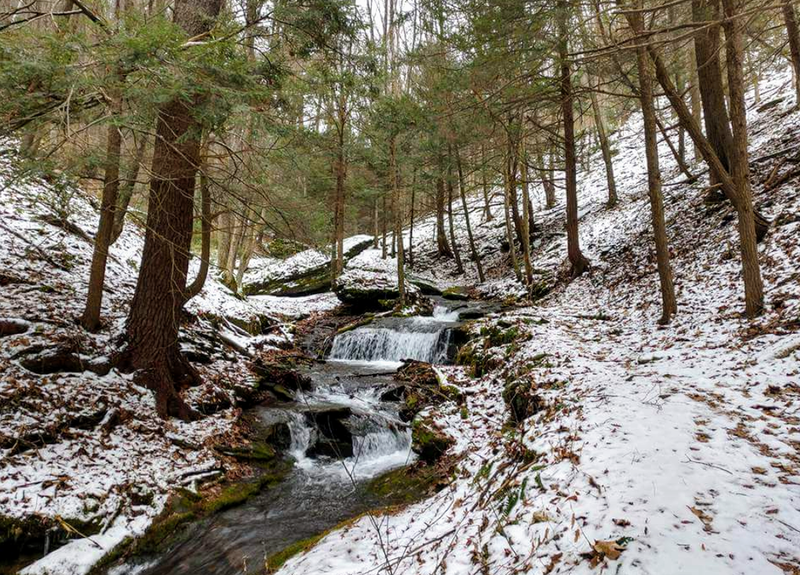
(610, 549)
(621, 522)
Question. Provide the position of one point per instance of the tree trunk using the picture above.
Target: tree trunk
(712, 92)
(205, 239)
(668, 303)
(340, 168)
(383, 228)
(526, 224)
(576, 257)
(154, 321)
(411, 226)
(487, 208)
(102, 241)
(729, 188)
(441, 236)
(462, 192)
(507, 212)
(740, 167)
(694, 98)
(453, 243)
(224, 241)
(605, 148)
(790, 18)
(375, 226)
(126, 191)
(398, 222)
(547, 181)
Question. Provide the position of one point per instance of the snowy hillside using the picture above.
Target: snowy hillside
(652, 449)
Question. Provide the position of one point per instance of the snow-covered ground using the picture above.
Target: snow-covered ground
(658, 449)
(86, 447)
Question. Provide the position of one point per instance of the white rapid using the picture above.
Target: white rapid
(395, 339)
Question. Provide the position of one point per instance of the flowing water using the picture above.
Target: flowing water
(341, 435)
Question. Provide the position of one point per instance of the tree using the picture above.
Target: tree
(154, 320)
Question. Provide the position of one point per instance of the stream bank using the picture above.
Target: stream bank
(348, 433)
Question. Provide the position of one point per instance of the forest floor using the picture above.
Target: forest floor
(652, 450)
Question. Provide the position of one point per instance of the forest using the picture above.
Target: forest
(457, 287)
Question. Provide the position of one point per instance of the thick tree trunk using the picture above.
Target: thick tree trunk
(462, 192)
(340, 169)
(792, 30)
(442, 246)
(740, 167)
(668, 304)
(102, 241)
(154, 320)
(126, 190)
(605, 148)
(576, 257)
(712, 91)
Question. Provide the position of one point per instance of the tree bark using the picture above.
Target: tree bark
(102, 241)
(154, 321)
(507, 213)
(668, 302)
(712, 91)
(740, 166)
(126, 190)
(577, 260)
(487, 208)
(792, 30)
(453, 243)
(411, 225)
(442, 246)
(205, 239)
(526, 223)
(605, 148)
(398, 222)
(462, 192)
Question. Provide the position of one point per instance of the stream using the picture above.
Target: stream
(341, 435)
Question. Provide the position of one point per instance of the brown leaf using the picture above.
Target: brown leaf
(609, 549)
(621, 522)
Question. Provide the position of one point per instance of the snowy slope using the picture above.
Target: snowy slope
(679, 444)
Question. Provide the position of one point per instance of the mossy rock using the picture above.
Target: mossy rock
(22, 538)
(429, 441)
(407, 485)
(455, 294)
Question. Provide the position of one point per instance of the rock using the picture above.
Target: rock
(429, 441)
(278, 435)
(422, 389)
(278, 373)
(455, 293)
(11, 326)
(394, 393)
(425, 287)
(369, 282)
(334, 437)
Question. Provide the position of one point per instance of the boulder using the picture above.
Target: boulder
(429, 441)
(334, 436)
(278, 373)
(369, 282)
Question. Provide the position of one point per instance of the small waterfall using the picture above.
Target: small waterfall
(302, 435)
(443, 313)
(392, 344)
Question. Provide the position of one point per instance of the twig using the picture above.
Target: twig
(690, 460)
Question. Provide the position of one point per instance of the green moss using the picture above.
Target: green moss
(455, 293)
(408, 484)
(428, 441)
(257, 452)
(276, 560)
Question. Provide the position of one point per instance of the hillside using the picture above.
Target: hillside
(648, 449)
